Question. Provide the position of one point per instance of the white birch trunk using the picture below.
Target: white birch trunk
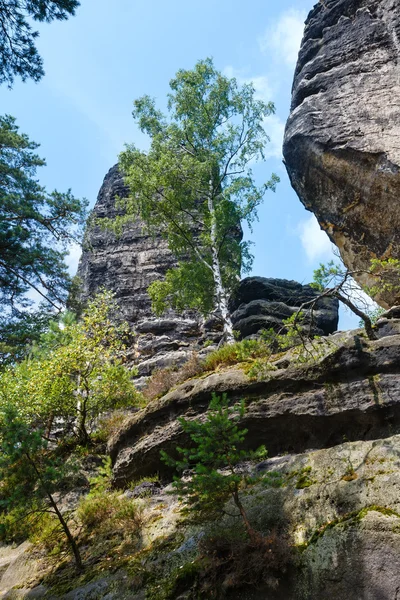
(221, 297)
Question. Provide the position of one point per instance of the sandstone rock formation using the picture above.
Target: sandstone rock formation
(127, 264)
(340, 503)
(348, 390)
(263, 303)
(341, 141)
(342, 508)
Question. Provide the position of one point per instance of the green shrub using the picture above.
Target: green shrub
(231, 354)
(110, 512)
(47, 533)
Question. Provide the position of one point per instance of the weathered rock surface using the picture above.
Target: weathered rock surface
(341, 141)
(349, 390)
(128, 263)
(20, 564)
(263, 303)
(340, 507)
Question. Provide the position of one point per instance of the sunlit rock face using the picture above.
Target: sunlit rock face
(341, 145)
(127, 264)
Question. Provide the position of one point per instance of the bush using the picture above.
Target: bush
(162, 380)
(232, 354)
(108, 512)
(46, 532)
(109, 425)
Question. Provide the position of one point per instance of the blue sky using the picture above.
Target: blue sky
(110, 53)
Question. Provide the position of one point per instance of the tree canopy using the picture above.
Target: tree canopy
(196, 186)
(30, 475)
(18, 53)
(75, 373)
(36, 226)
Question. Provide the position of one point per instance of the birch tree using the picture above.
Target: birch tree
(195, 185)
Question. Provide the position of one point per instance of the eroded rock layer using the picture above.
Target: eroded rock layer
(346, 387)
(264, 303)
(341, 142)
(128, 263)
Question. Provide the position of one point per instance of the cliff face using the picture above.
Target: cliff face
(341, 141)
(128, 263)
(331, 425)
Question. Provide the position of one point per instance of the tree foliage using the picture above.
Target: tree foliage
(18, 53)
(20, 332)
(217, 443)
(195, 184)
(35, 226)
(75, 373)
(30, 474)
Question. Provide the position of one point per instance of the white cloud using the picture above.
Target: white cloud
(283, 37)
(315, 242)
(275, 129)
(273, 124)
(262, 85)
(72, 259)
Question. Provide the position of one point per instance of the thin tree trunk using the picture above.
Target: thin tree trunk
(81, 408)
(70, 537)
(222, 300)
(254, 536)
(367, 321)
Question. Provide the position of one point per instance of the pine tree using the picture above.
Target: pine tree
(36, 227)
(216, 450)
(18, 53)
(30, 474)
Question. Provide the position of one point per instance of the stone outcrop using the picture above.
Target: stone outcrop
(263, 303)
(345, 387)
(341, 140)
(341, 506)
(128, 263)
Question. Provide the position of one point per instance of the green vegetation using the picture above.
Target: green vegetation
(19, 332)
(35, 226)
(106, 512)
(30, 475)
(217, 443)
(304, 480)
(75, 374)
(18, 53)
(195, 185)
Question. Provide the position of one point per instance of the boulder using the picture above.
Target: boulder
(263, 303)
(341, 141)
(349, 390)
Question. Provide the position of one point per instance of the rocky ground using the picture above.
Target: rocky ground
(329, 489)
